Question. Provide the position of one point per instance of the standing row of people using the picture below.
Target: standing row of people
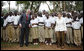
(44, 27)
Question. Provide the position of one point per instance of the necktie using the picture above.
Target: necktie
(26, 17)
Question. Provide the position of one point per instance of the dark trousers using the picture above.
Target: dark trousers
(24, 32)
(60, 38)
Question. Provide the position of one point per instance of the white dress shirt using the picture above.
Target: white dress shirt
(69, 20)
(81, 20)
(76, 25)
(44, 17)
(65, 19)
(41, 19)
(53, 19)
(16, 19)
(50, 16)
(5, 22)
(47, 22)
(77, 18)
(60, 24)
(34, 21)
(10, 18)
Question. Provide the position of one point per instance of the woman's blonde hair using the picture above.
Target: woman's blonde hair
(59, 13)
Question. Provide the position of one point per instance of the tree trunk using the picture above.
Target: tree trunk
(18, 7)
(31, 5)
(54, 9)
(58, 5)
(37, 8)
(49, 7)
(64, 5)
(9, 6)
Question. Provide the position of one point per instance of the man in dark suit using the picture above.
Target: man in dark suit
(24, 25)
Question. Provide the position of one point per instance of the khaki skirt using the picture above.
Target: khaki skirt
(4, 36)
(34, 32)
(41, 33)
(48, 33)
(10, 32)
(16, 34)
(30, 35)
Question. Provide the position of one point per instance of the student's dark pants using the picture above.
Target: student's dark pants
(24, 32)
(60, 38)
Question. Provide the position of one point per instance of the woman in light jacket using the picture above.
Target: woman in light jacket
(60, 30)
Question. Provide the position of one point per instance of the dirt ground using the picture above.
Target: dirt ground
(15, 46)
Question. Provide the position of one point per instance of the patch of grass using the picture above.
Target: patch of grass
(4, 42)
(7, 44)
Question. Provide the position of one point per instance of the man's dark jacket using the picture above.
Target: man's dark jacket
(23, 20)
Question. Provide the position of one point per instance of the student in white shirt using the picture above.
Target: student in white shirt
(43, 14)
(41, 27)
(53, 19)
(65, 16)
(10, 28)
(69, 35)
(77, 34)
(37, 26)
(16, 27)
(47, 27)
(34, 25)
(55, 15)
(5, 36)
(60, 30)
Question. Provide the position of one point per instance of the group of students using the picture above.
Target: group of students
(47, 28)
(10, 29)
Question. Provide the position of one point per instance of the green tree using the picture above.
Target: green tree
(32, 5)
(79, 5)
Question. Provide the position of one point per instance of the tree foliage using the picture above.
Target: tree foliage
(34, 5)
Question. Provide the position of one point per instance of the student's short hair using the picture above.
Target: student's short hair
(10, 13)
(44, 11)
(64, 14)
(40, 14)
(68, 15)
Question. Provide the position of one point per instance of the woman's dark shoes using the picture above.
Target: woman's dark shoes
(62, 47)
(58, 46)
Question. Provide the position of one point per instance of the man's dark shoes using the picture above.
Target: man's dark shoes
(26, 44)
(21, 45)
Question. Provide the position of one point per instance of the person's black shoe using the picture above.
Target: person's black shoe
(26, 44)
(21, 45)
